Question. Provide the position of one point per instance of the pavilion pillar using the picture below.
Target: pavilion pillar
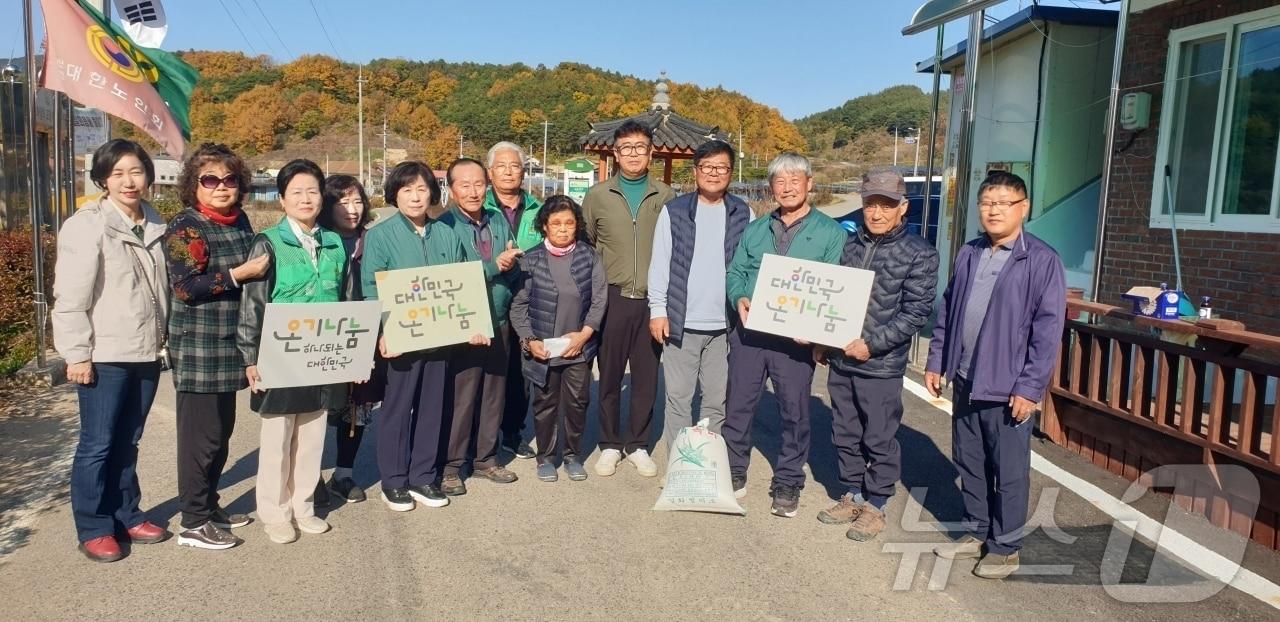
(603, 172)
(666, 171)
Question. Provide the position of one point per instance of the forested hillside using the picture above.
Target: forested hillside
(257, 106)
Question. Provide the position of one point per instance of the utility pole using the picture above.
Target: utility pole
(545, 125)
(915, 169)
(528, 164)
(741, 154)
(895, 146)
(384, 151)
(360, 121)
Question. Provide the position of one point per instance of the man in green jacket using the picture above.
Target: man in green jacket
(796, 230)
(479, 373)
(520, 209)
(620, 215)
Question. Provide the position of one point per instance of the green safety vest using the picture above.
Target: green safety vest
(297, 278)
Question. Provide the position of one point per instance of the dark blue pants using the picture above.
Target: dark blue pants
(410, 419)
(789, 366)
(866, 413)
(104, 478)
(993, 454)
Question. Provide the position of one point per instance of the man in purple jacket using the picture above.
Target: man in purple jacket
(996, 340)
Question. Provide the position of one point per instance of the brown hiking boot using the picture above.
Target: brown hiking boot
(452, 485)
(869, 523)
(844, 511)
(993, 566)
(967, 547)
(497, 474)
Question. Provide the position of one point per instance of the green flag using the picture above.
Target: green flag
(172, 78)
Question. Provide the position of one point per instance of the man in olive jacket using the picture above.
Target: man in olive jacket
(620, 215)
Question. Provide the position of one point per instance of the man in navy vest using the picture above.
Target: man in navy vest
(693, 244)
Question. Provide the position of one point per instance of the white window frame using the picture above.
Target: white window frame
(1212, 218)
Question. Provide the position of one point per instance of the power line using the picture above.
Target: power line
(238, 29)
(257, 30)
(273, 29)
(323, 29)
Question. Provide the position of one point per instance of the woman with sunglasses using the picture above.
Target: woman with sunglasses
(207, 245)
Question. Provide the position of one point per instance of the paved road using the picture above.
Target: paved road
(568, 550)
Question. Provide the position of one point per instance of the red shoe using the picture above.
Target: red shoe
(147, 532)
(104, 549)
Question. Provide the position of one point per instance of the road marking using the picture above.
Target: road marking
(1123, 515)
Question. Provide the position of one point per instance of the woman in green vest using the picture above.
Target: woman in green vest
(307, 263)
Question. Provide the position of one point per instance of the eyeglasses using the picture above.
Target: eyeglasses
(714, 169)
(211, 181)
(627, 150)
(506, 167)
(998, 206)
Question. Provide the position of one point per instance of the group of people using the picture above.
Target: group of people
(635, 280)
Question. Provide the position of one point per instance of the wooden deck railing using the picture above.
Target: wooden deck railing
(1131, 393)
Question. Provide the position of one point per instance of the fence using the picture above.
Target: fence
(1132, 393)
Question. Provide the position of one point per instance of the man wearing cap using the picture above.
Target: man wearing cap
(865, 379)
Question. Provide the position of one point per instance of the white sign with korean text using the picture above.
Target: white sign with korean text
(810, 300)
(434, 306)
(317, 343)
(91, 130)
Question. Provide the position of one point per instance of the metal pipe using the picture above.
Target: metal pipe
(933, 141)
(933, 132)
(37, 250)
(55, 141)
(68, 161)
(1113, 110)
(964, 160)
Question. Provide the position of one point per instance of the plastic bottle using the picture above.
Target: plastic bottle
(1206, 311)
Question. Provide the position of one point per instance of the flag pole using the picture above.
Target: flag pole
(37, 249)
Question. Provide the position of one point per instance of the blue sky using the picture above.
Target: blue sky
(800, 56)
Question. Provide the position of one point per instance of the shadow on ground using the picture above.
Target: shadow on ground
(38, 428)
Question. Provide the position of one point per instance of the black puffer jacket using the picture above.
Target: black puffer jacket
(906, 268)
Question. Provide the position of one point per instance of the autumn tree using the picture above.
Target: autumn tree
(254, 119)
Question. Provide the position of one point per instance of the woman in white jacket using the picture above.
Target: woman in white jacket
(109, 318)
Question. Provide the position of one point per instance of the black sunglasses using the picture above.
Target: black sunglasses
(212, 181)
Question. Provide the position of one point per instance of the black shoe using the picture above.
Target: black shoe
(398, 499)
(520, 448)
(346, 488)
(739, 486)
(428, 495)
(320, 498)
(222, 520)
(208, 536)
(786, 500)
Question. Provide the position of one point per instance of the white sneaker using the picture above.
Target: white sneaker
(643, 463)
(280, 533)
(312, 525)
(607, 464)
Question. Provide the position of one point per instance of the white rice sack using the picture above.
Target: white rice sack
(698, 474)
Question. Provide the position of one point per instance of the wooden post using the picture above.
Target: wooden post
(666, 171)
(603, 173)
